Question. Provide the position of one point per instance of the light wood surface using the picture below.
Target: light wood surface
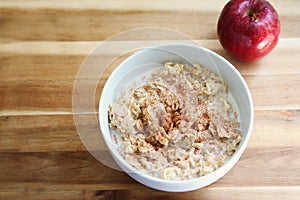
(44, 43)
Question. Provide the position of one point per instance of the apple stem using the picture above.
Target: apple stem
(252, 15)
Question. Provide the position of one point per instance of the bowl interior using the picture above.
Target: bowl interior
(145, 61)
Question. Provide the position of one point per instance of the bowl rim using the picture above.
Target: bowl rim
(222, 169)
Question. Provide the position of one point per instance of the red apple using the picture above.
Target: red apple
(248, 29)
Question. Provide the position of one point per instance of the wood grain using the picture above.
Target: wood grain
(43, 45)
(51, 133)
(253, 193)
(43, 81)
(39, 133)
(47, 194)
(56, 95)
(97, 25)
(209, 194)
(259, 166)
(63, 59)
(283, 7)
(48, 146)
(94, 21)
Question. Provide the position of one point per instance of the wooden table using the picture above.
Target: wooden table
(42, 46)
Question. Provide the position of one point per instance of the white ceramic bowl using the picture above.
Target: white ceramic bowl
(140, 63)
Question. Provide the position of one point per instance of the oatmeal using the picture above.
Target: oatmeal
(179, 125)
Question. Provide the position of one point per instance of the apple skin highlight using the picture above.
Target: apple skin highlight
(248, 29)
